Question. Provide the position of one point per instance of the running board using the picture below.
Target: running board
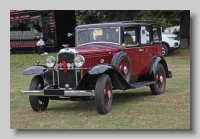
(140, 84)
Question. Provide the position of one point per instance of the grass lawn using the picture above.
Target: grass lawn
(131, 109)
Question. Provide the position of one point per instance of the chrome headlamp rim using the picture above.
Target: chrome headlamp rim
(77, 61)
(50, 61)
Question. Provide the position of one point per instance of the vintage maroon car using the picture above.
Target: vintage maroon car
(107, 56)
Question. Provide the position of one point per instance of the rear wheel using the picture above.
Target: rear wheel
(160, 77)
(38, 103)
(103, 94)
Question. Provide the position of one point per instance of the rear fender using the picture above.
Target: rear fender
(46, 73)
(153, 67)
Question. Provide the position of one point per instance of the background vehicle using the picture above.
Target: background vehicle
(105, 58)
(54, 23)
(170, 43)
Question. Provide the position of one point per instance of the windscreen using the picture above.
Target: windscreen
(98, 35)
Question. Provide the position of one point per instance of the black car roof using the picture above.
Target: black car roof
(118, 23)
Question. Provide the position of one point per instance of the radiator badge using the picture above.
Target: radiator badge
(64, 64)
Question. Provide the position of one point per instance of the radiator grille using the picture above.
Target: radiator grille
(69, 77)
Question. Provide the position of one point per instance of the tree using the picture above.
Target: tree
(97, 16)
(185, 28)
(185, 24)
(166, 18)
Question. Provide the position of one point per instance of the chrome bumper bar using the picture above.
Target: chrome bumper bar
(69, 93)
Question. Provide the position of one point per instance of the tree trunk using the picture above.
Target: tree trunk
(185, 28)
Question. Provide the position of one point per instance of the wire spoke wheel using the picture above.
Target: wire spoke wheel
(38, 103)
(160, 78)
(103, 94)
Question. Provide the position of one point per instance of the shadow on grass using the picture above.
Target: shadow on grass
(84, 106)
(178, 52)
(124, 97)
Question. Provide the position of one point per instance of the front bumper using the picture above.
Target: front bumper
(58, 92)
(176, 45)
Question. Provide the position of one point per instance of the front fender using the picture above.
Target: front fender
(46, 73)
(117, 79)
(101, 68)
(35, 70)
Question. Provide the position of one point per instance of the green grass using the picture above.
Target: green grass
(131, 109)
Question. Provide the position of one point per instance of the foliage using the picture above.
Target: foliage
(165, 18)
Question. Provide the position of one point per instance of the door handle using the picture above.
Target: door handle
(141, 50)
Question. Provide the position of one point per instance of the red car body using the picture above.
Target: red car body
(140, 60)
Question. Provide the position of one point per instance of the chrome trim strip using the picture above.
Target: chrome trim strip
(98, 43)
(57, 69)
(68, 50)
(75, 55)
(74, 68)
(53, 77)
(69, 93)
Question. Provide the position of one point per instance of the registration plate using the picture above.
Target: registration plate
(54, 92)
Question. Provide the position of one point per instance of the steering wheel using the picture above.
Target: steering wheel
(90, 40)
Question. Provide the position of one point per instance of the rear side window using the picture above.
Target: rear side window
(145, 35)
(156, 34)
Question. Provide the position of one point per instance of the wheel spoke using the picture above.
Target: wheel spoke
(106, 94)
(123, 63)
(159, 82)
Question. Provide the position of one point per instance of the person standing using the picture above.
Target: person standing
(33, 25)
(38, 26)
(21, 26)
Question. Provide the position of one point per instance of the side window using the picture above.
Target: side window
(145, 35)
(156, 34)
(130, 37)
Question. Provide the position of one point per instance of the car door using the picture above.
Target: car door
(147, 49)
(131, 39)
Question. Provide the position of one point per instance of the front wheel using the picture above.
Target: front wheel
(38, 102)
(103, 94)
(160, 77)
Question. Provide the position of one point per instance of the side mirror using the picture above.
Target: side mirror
(70, 34)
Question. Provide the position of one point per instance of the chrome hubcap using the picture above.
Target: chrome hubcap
(109, 94)
(125, 70)
(40, 102)
(161, 79)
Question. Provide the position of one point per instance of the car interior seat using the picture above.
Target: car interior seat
(128, 39)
